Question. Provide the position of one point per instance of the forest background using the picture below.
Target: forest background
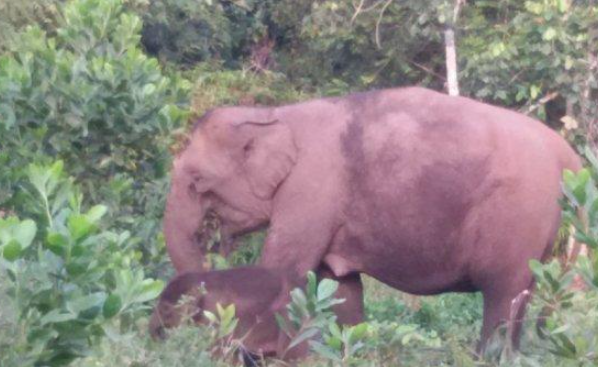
(96, 95)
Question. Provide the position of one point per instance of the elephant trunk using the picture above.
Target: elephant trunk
(183, 220)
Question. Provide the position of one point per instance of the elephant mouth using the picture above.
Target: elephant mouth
(220, 237)
(211, 235)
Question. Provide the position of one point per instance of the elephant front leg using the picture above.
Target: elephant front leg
(350, 289)
(295, 245)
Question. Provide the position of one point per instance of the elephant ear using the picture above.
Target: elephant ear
(270, 153)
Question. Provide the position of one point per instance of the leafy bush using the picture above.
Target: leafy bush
(571, 328)
(70, 282)
(189, 31)
(90, 97)
(534, 50)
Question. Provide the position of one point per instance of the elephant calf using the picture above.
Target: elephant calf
(251, 289)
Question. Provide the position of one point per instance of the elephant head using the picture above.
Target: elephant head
(235, 160)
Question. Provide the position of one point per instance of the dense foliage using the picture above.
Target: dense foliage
(94, 95)
(68, 280)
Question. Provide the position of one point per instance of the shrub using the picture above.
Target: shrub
(90, 97)
(185, 32)
(70, 281)
(571, 326)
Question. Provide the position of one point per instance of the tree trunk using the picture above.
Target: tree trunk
(451, 62)
(451, 51)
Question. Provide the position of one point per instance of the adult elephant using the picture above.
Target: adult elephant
(424, 192)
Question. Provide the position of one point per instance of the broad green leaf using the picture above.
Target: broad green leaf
(326, 289)
(79, 226)
(57, 243)
(150, 290)
(536, 267)
(76, 268)
(334, 342)
(25, 232)
(210, 316)
(298, 297)
(96, 213)
(358, 332)
(12, 250)
(227, 315)
(112, 306)
(57, 316)
(83, 303)
(307, 334)
(335, 330)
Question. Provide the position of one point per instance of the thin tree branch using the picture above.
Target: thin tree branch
(451, 51)
(542, 101)
(426, 69)
(386, 5)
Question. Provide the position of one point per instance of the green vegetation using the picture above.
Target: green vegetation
(96, 94)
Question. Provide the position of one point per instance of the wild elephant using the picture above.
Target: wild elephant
(424, 192)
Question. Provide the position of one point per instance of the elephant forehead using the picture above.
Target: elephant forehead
(204, 154)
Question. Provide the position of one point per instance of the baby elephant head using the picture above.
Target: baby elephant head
(180, 301)
(253, 290)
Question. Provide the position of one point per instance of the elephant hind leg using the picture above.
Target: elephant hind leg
(504, 307)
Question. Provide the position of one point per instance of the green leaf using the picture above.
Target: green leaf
(536, 268)
(282, 324)
(12, 250)
(57, 316)
(96, 213)
(335, 330)
(324, 351)
(298, 297)
(150, 290)
(79, 226)
(112, 306)
(75, 268)
(25, 232)
(358, 332)
(57, 243)
(311, 283)
(210, 316)
(309, 333)
(334, 342)
(86, 302)
(326, 289)
(591, 157)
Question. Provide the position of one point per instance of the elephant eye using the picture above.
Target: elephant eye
(248, 147)
(196, 176)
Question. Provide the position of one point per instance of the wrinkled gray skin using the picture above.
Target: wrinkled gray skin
(424, 192)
